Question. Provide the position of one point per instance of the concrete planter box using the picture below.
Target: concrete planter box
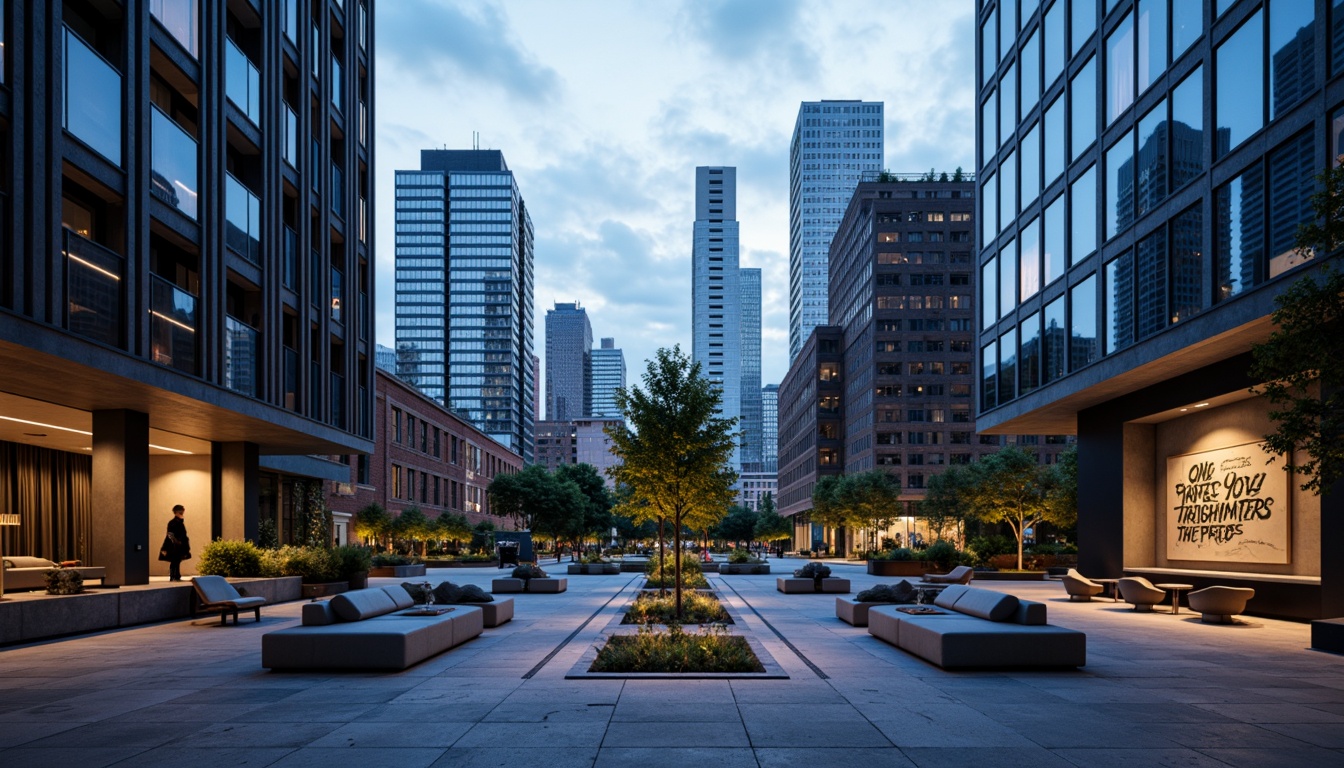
(593, 569)
(549, 584)
(1009, 576)
(634, 566)
(741, 568)
(899, 567)
(493, 563)
(325, 589)
(798, 585)
(398, 571)
(853, 612)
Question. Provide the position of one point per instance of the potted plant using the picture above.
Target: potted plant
(354, 563)
(64, 581)
(897, 561)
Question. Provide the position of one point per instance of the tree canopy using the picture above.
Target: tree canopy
(674, 449)
(870, 499)
(1010, 487)
(739, 525)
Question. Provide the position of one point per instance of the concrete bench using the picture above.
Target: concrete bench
(795, 585)
(372, 628)
(511, 585)
(854, 612)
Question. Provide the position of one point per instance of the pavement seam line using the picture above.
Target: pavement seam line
(815, 669)
(534, 670)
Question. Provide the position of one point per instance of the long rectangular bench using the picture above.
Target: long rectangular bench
(368, 629)
(980, 628)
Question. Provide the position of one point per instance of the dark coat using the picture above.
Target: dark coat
(176, 544)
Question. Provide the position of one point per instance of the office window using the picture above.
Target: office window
(989, 364)
(1054, 42)
(1291, 167)
(1029, 271)
(989, 293)
(1007, 27)
(1120, 69)
(1239, 99)
(1120, 302)
(1240, 232)
(989, 127)
(1292, 53)
(1007, 278)
(1008, 365)
(1053, 342)
(1151, 161)
(1053, 251)
(989, 51)
(1083, 108)
(1189, 265)
(1187, 24)
(1055, 146)
(1187, 129)
(1029, 367)
(1029, 64)
(1030, 154)
(989, 210)
(1083, 216)
(1120, 185)
(1152, 41)
(1008, 104)
(1083, 346)
(1083, 16)
(1007, 190)
(1150, 274)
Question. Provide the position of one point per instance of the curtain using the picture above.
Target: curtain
(51, 491)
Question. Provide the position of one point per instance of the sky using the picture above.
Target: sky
(603, 110)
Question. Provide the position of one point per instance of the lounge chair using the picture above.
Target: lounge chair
(962, 574)
(1140, 593)
(215, 594)
(1079, 587)
(1219, 604)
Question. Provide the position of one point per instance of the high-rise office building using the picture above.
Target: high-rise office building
(608, 375)
(1143, 169)
(716, 318)
(464, 314)
(749, 303)
(569, 346)
(770, 428)
(834, 142)
(186, 296)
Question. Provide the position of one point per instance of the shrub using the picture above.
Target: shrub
(267, 536)
(528, 571)
(689, 564)
(387, 560)
(741, 556)
(901, 592)
(985, 547)
(943, 554)
(64, 581)
(1052, 549)
(314, 564)
(447, 592)
(696, 608)
(897, 553)
(692, 575)
(351, 559)
(229, 558)
(711, 649)
(593, 558)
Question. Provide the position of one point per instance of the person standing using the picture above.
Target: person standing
(176, 546)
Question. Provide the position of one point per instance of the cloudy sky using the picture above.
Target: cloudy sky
(604, 108)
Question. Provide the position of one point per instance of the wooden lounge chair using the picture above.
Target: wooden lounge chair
(962, 574)
(214, 593)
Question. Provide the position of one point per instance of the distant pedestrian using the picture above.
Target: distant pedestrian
(176, 546)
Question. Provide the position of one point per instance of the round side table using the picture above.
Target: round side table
(1175, 590)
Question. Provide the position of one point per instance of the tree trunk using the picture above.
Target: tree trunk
(662, 573)
(1021, 536)
(676, 584)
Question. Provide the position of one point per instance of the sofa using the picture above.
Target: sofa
(368, 629)
(23, 572)
(980, 628)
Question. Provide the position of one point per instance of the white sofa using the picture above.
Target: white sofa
(22, 572)
(980, 628)
(368, 629)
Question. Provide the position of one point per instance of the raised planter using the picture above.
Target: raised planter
(398, 571)
(634, 566)
(325, 589)
(492, 563)
(593, 569)
(1009, 576)
(744, 568)
(359, 580)
(899, 567)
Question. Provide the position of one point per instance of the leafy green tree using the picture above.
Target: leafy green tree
(674, 449)
(827, 508)
(739, 525)
(453, 527)
(372, 523)
(1010, 487)
(942, 506)
(521, 496)
(770, 525)
(413, 525)
(595, 516)
(559, 508)
(870, 500)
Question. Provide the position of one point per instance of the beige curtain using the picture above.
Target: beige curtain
(51, 491)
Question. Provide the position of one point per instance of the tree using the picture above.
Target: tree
(557, 504)
(1010, 487)
(942, 506)
(827, 509)
(1302, 364)
(870, 500)
(674, 449)
(770, 525)
(520, 496)
(595, 512)
(372, 523)
(412, 524)
(739, 525)
(453, 527)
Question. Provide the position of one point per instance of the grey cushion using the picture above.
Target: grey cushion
(986, 604)
(318, 614)
(1030, 613)
(399, 596)
(23, 561)
(362, 604)
(948, 597)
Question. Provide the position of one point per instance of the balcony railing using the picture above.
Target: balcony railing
(289, 268)
(172, 326)
(173, 156)
(240, 357)
(242, 82)
(92, 98)
(93, 290)
(242, 215)
(182, 20)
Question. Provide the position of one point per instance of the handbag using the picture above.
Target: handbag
(168, 544)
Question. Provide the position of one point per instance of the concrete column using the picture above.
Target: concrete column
(121, 490)
(1101, 508)
(234, 491)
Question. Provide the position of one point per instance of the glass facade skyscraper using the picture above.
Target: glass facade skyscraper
(569, 347)
(770, 428)
(834, 142)
(464, 290)
(716, 317)
(749, 303)
(1144, 166)
(608, 375)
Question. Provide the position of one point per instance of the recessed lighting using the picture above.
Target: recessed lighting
(45, 426)
(170, 450)
(1183, 410)
(1200, 405)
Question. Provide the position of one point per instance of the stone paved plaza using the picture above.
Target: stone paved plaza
(1158, 689)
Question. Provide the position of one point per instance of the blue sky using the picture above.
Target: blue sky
(603, 110)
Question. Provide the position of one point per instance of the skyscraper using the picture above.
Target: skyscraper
(464, 269)
(834, 142)
(608, 375)
(749, 303)
(716, 320)
(770, 428)
(569, 347)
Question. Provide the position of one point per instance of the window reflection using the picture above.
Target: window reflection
(1029, 59)
(1054, 341)
(1083, 216)
(1055, 146)
(1054, 42)
(1187, 24)
(1151, 168)
(1292, 54)
(180, 18)
(989, 210)
(1120, 185)
(1007, 278)
(1152, 34)
(1029, 271)
(1239, 99)
(989, 127)
(989, 55)
(172, 177)
(1054, 241)
(92, 99)
(1290, 168)
(1189, 283)
(1120, 303)
(1007, 27)
(1008, 365)
(1083, 348)
(1030, 153)
(1007, 190)
(1007, 105)
(989, 293)
(1150, 274)
(1083, 15)
(1187, 129)
(1240, 224)
(989, 366)
(1029, 366)
(1083, 106)
(1120, 69)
